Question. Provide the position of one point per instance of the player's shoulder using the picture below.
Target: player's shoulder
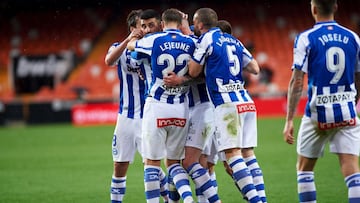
(113, 45)
(348, 30)
(154, 35)
(208, 37)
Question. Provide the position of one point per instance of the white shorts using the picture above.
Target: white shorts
(210, 150)
(236, 125)
(201, 125)
(164, 129)
(222, 156)
(311, 141)
(127, 139)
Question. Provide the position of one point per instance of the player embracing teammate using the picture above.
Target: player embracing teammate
(222, 57)
(165, 122)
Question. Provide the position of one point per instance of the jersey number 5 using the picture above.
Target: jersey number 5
(233, 60)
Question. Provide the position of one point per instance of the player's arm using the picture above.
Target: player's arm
(115, 52)
(131, 44)
(357, 86)
(173, 80)
(252, 67)
(137, 34)
(294, 94)
(185, 27)
(195, 69)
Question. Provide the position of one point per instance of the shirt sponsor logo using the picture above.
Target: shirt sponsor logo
(333, 98)
(178, 122)
(248, 107)
(231, 87)
(327, 126)
(174, 90)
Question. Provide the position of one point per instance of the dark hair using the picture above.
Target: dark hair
(172, 15)
(150, 13)
(224, 26)
(325, 7)
(132, 18)
(207, 16)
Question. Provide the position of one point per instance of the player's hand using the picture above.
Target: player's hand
(289, 132)
(184, 15)
(136, 33)
(172, 80)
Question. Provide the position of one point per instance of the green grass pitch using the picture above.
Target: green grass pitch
(67, 164)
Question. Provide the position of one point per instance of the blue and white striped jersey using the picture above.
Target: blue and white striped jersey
(224, 57)
(132, 88)
(197, 93)
(169, 51)
(329, 54)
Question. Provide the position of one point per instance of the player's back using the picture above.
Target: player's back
(224, 66)
(336, 49)
(333, 55)
(170, 52)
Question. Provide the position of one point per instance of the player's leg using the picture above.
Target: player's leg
(124, 149)
(229, 135)
(200, 132)
(230, 173)
(256, 172)
(310, 146)
(180, 179)
(349, 158)
(305, 179)
(199, 174)
(192, 156)
(208, 160)
(174, 196)
(350, 170)
(118, 182)
(199, 195)
(152, 170)
(249, 141)
(164, 187)
(242, 175)
(211, 169)
(174, 145)
(154, 150)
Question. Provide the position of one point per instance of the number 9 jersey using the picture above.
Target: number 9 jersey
(329, 54)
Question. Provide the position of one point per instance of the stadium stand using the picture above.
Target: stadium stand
(269, 26)
(48, 32)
